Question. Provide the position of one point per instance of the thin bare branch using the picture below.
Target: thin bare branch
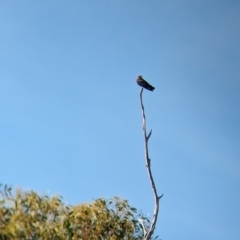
(150, 231)
(143, 226)
(149, 135)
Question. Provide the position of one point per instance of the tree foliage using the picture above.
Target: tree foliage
(27, 215)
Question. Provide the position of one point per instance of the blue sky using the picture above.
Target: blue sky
(70, 117)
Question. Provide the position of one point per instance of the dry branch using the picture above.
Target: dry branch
(150, 230)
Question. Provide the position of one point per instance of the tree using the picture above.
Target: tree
(27, 215)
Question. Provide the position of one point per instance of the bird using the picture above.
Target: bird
(141, 82)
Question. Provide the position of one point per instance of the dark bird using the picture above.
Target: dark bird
(141, 82)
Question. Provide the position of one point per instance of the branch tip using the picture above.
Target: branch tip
(160, 196)
(149, 135)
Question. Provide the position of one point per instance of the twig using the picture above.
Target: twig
(151, 229)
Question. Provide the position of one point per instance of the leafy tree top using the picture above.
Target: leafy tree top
(27, 215)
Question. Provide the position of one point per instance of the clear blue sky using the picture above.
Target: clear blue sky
(70, 118)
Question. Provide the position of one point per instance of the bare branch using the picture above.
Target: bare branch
(150, 231)
(149, 135)
(143, 226)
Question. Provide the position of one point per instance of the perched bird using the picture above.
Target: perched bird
(141, 82)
